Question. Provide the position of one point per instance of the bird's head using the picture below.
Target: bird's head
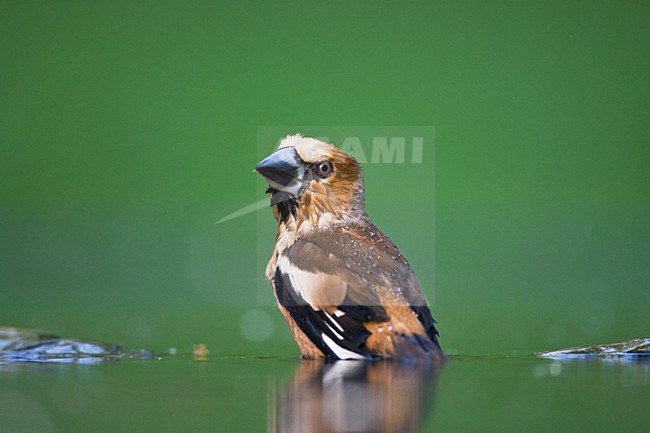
(313, 181)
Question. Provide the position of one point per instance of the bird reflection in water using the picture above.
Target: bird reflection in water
(353, 396)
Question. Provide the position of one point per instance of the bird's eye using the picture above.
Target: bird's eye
(324, 168)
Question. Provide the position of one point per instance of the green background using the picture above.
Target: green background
(128, 128)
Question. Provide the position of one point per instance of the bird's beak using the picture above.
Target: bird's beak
(283, 170)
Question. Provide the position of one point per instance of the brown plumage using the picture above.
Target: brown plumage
(343, 287)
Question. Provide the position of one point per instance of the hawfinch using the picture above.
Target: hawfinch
(343, 287)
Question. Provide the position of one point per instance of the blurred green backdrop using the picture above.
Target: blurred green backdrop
(128, 128)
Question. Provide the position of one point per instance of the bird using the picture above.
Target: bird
(344, 289)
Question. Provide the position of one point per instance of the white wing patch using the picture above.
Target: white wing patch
(339, 336)
(317, 289)
(331, 319)
(339, 351)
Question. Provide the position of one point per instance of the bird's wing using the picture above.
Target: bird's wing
(340, 285)
(362, 257)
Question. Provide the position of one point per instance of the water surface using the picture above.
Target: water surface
(255, 394)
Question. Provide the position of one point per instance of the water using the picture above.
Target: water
(255, 394)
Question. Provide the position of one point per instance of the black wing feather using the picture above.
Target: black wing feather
(316, 323)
